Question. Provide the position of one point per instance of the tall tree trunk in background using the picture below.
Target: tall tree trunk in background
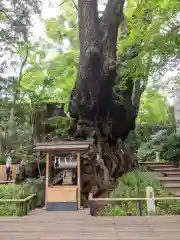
(95, 100)
(177, 108)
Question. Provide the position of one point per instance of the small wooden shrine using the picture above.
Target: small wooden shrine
(62, 174)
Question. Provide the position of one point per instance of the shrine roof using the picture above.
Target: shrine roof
(63, 146)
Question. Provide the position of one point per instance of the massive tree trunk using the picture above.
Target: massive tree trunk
(101, 109)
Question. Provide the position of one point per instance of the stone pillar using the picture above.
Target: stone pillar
(151, 209)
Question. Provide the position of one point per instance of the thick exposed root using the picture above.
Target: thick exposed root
(104, 163)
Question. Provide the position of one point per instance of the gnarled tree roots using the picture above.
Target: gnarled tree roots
(104, 162)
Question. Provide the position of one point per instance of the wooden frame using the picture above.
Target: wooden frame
(69, 197)
(79, 179)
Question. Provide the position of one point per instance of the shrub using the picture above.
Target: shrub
(164, 142)
(143, 133)
(171, 150)
(134, 184)
(13, 191)
(146, 151)
(37, 186)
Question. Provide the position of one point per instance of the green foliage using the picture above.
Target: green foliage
(151, 112)
(170, 148)
(113, 211)
(63, 69)
(64, 26)
(148, 149)
(133, 185)
(37, 186)
(16, 141)
(164, 142)
(13, 191)
(60, 123)
(152, 25)
(15, 115)
(152, 117)
(141, 136)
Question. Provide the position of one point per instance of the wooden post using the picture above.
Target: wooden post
(139, 202)
(151, 208)
(91, 204)
(140, 208)
(47, 176)
(78, 179)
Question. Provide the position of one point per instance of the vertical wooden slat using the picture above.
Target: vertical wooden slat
(47, 176)
(79, 179)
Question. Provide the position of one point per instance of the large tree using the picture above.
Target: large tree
(101, 109)
(119, 48)
(105, 99)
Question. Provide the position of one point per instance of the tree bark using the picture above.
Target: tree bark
(94, 101)
(89, 64)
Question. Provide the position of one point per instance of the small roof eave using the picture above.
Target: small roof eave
(63, 146)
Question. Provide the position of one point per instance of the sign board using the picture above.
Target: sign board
(151, 208)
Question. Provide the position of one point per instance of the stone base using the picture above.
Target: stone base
(61, 206)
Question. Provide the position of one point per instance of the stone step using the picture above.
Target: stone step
(174, 191)
(156, 174)
(154, 163)
(164, 180)
(167, 174)
(172, 185)
(152, 166)
(173, 188)
(171, 174)
(169, 169)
